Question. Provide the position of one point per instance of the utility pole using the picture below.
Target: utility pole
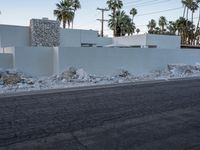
(102, 20)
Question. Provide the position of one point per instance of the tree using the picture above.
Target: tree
(162, 23)
(151, 26)
(186, 30)
(187, 5)
(137, 30)
(76, 5)
(198, 22)
(172, 27)
(133, 12)
(64, 12)
(194, 6)
(128, 26)
(123, 24)
(114, 5)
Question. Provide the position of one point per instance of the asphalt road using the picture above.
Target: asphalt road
(152, 116)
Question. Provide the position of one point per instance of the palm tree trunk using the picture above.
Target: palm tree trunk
(198, 22)
(64, 24)
(184, 11)
(68, 24)
(114, 25)
(187, 13)
(132, 18)
(73, 20)
(72, 23)
(192, 17)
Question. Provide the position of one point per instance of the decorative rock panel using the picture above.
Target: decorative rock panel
(45, 32)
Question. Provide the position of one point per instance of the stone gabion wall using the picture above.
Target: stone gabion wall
(45, 33)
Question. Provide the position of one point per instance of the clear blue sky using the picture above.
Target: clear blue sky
(19, 12)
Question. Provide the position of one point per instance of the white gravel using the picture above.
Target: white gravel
(73, 77)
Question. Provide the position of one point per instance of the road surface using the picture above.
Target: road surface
(148, 116)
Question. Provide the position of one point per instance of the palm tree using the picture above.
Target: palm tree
(133, 12)
(138, 30)
(114, 5)
(129, 26)
(185, 29)
(198, 22)
(187, 5)
(64, 12)
(151, 26)
(181, 27)
(172, 27)
(123, 24)
(162, 23)
(194, 6)
(76, 5)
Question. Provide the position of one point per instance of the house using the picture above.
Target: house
(44, 49)
(47, 33)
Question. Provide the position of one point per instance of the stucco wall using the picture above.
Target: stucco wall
(70, 38)
(74, 38)
(130, 40)
(100, 61)
(14, 36)
(34, 61)
(104, 61)
(164, 41)
(103, 41)
(161, 41)
(89, 36)
(6, 61)
(19, 36)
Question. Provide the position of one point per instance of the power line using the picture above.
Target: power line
(163, 1)
(132, 3)
(156, 12)
(102, 20)
(139, 1)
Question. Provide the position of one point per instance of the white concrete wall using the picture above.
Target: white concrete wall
(103, 41)
(89, 36)
(105, 61)
(164, 41)
(6, 61)
(19, 36)
(55, 60)
(130, 40)
(74, 38)
(99, 61)
(70, 38)
(35, 61)
(14, 36)
(161, 41)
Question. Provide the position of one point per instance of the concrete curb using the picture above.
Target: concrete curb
(93, 87)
